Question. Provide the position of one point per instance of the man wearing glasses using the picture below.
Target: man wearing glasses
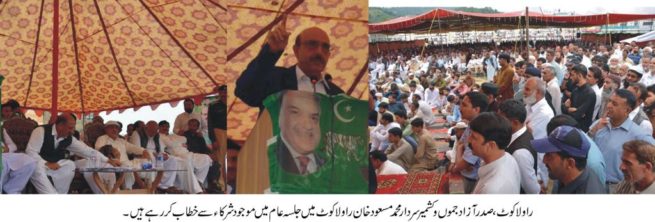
(262, 78)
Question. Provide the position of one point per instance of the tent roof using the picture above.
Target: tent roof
(111, 54)
(443, 20)
(646, 37)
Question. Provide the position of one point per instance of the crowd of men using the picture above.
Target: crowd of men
(48, 157)
(562, 117)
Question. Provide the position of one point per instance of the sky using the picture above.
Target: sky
(163, 112)
(577, 6)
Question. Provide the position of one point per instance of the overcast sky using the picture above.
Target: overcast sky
(577, 6)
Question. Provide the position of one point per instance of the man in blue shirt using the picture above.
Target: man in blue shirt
(612, 131)
(466, 163)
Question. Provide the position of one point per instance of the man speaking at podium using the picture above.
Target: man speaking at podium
(261, 78)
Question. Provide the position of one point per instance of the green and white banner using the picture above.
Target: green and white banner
(2, 78)
(318, 144)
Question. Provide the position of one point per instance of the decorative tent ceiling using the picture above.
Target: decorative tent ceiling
(112, 54)
(442, 20)
(344, 21)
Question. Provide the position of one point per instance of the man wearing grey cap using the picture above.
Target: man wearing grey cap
(566, 158)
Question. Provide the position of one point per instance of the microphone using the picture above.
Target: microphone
(314, 81)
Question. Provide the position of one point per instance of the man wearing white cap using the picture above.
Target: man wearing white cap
(459, 128)
(111, 138)
(635, 73)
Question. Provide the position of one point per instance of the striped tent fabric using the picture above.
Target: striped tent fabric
(112, 54)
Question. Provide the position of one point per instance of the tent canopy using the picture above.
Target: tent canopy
(443, 20)
(646, 37)
(111, 54)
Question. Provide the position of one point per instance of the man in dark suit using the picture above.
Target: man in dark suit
(300, 133)
(261, 78)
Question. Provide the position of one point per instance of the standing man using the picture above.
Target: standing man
(490, 136)
(261, 78)
(491, 90)
(538, 115)
(182, 120)
(581, 104)
(637, 164)
(558, 73)
(595, 80)
(519, 146)
(217, 129)
(504, 79)
(637, 114)
(465, 162)
(490, 65)
(610, 135)
(552, 86)
(566, 157)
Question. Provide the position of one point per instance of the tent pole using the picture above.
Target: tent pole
(55, 61)
(527, 31)
(429, 31)
(609, 33)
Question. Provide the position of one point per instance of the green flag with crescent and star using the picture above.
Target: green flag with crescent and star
(318, 144)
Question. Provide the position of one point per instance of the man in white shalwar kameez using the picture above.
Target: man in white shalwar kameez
(199, 163)
(111, 138)
(17, 167)
(153, 142)
(47, 145)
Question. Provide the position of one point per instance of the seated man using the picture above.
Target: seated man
(124, 148)
(458, 131)
(17, 168)
(109, 179)
(179, 148)
(150, 140)
(426, 153)
(382, 166)
(378, 135)
(399, 151)
(48, 145)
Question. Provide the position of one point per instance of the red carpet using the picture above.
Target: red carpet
(440, 130)
(413, 183)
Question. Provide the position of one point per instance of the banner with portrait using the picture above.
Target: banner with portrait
(318, 144)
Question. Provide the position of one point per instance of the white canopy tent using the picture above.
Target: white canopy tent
(645, 38)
